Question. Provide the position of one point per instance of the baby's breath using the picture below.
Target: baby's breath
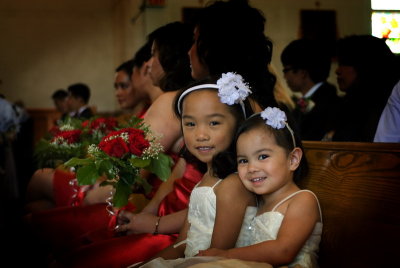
(93, 149)
(66, 127)
(153, 150)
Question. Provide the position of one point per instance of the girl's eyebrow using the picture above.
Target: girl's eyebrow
(209, 116)
(216, 115)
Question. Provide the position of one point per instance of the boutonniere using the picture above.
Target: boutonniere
(305, 105)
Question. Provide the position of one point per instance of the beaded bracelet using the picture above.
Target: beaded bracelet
(157, 224)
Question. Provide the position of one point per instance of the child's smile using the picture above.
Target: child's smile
(208, 125)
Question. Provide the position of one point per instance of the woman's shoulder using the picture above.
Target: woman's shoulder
(163, 102)
(166, 96)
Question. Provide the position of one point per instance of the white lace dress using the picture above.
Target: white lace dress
(265, 227)
(201, 216)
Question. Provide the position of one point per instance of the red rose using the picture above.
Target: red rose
(115, 147)
(137, 141)
(54, 130)
(70, 136)
(104, 125)
(85, 123)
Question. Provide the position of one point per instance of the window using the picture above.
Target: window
(385, 22)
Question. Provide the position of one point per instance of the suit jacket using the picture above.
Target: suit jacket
(85, 114)
(313, 125)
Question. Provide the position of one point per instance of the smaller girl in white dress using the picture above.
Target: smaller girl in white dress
(287, 228)
(220, 207)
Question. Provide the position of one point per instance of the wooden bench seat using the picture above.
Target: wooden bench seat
(358, 186)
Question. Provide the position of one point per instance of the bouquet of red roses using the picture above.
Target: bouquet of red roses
(60, 144)
(70, 138)
(119, 157)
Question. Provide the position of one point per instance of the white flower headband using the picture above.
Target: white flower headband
(231, 90)
(276, 118)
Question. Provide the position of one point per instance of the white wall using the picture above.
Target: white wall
(49, 44)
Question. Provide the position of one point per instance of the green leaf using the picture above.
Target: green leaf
(87, 175)
(161, 166)
(121, 195)
(140, 163)
(105, 167)
(73, 162)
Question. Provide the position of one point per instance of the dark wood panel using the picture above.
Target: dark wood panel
(358, 185)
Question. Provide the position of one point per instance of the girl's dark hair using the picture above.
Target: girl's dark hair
(237, 43)
(173, 42)
(283, 138)
(220, 169)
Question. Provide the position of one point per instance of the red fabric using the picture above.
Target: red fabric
(63, 192)
(60, 226)
(118, 252)
(125, 250)
(178, 199)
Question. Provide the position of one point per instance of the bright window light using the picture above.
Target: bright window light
(385, 4)
(387, 25)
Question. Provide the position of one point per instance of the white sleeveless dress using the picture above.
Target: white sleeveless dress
(201, 216)
(265, 227)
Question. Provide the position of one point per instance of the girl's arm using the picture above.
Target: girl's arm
(146, 222)
(300, 218)
(232, 201)
(172, 252)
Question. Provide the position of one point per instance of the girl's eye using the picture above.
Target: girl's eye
(214, 123)
(189, 124)
(262, 156)
(242, 161)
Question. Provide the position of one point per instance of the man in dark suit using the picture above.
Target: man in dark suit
(306, 68)
(78, 99)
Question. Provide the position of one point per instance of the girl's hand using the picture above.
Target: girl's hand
(136, 223)
(212, 252)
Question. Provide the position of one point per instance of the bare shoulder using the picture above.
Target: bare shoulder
(165, 100)
(306, 196)
(304, 203)
(232, 188)
(166, 97)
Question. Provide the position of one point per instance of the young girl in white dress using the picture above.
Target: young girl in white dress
(210, 114)
(288, 226)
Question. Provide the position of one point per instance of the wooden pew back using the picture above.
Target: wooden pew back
(358, 186)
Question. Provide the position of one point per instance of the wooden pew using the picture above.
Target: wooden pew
(358, 186)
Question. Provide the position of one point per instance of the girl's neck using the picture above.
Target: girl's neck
(208, 178)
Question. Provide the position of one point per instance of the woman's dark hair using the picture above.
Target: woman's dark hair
(219, 170)
(237, 43)
(283, 138)
(126, 67)
(141, 56)
(173, 42)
